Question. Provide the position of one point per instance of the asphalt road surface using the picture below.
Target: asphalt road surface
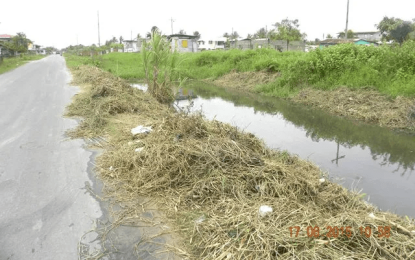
(44, 206)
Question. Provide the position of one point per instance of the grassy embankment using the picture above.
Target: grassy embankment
(14, 62)
(375, 85)
(211, 179)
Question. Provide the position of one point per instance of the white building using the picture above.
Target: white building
(183, 42)
(132, 45)
(215, 44)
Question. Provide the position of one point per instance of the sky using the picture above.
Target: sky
(52, 23)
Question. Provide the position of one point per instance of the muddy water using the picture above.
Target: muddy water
(359, 156)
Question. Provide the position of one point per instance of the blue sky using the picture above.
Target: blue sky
(52, 23)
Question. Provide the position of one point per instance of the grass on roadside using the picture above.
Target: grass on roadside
(211, 178)
(14, 62)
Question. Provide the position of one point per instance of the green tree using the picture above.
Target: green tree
(329, 36)
(182, 31)
(122, 39)
(19, 43)
(234, 35)
(152, 31)
(396, 29)
(261, 33)
(386, 25)
(197, 34)
(287, 30)
(350, 35)
(400, 32)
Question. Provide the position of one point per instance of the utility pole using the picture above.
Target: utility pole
(171, 20)
(99, 40)
(347, 20)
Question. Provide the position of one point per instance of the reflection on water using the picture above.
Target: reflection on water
(364, 156)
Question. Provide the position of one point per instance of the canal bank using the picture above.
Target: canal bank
(364, 157)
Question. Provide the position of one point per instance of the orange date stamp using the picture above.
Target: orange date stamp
(334, 232)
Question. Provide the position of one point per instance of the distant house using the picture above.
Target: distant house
(374, 36)
(183, 42)
(132, 45)
(216, 44)
(331, 42)
(33, 48)
(3, 39)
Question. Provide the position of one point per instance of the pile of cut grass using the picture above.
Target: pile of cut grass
(246, 81)
(104, 95)
(211, 178)
(363, 104)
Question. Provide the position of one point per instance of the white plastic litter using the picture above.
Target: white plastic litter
(264, 210)
(111, 168)
(141, 129)
(322, 180)
(200, 219)
(139, 149)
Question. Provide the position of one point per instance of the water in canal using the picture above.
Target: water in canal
(359, 156)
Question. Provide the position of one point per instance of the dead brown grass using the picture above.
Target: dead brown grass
(246, 81)
(211, 179)
(367, 105)
(362, 104)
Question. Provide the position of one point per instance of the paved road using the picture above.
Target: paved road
(44, 207)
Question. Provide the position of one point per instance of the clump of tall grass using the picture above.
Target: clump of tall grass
(214, 64)
(159, 64)
(390, 70)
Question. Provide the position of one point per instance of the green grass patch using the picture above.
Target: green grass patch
(14, 62)
(124, 65)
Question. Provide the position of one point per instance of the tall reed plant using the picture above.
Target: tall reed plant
(159, 63)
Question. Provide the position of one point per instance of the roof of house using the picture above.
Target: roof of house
(366, 32)
(183, 36)
(6, 36)
(336, 41)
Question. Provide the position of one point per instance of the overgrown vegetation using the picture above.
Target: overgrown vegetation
(211, 178)
(390, 70)
(13, 62)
